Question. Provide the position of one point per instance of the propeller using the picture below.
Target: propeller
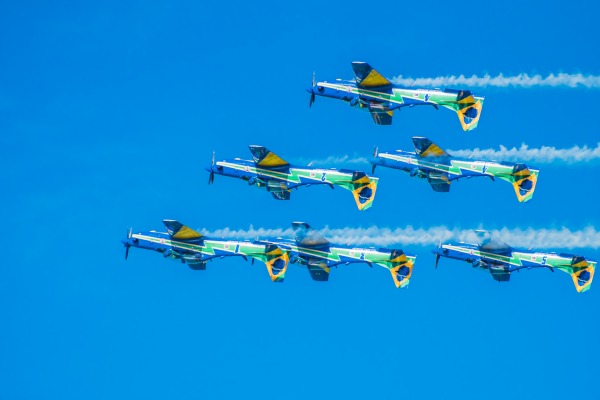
(437, 254)
(127, 245)
(375, 149)
(211, 177)
(312, 91)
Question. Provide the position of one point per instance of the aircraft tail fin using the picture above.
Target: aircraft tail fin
(469, 110)
(363, 189)
(179, 231)
(582, 273)
(277, 262)
(400, 266)
(524, 181)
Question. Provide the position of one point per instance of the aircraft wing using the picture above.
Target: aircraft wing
(499, 272)
(318, 271)
(265, 158)
(307, 236)
(281, 195)
(179, 231)
(368, 77)
(426, 148)
(382, 117)
(439, 181)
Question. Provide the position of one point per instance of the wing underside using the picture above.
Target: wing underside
(382, 117)
(439, 181)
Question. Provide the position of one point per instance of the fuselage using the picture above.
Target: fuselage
(514, 258)
(455, 167)
(396, 97)
(202, 249)
(333, 254)
(283, 179)
(290, 176)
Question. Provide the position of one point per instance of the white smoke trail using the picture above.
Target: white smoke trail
(545, 154)
(521, 80)
(542, 155)
(332, 161)
(563, 238)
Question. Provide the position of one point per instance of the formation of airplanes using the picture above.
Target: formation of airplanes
(372, 92)
(308, 249)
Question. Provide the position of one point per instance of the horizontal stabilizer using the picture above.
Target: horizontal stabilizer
(367, 77)
(264, 157)
(426, 148)
(179, 231)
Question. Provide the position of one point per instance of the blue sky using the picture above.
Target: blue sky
(109, 113)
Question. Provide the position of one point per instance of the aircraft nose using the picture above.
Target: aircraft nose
(310, 89)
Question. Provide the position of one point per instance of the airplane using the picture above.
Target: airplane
(311, 250)
(439, 168)
(194, 249)
(372, 92)
(270, 172)
(501, 260)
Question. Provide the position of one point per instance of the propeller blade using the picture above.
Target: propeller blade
(126, 251)
(211, 178)
(437, 260)
(129, 233)
(312, 94)
(373, 169)
(213, 159)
